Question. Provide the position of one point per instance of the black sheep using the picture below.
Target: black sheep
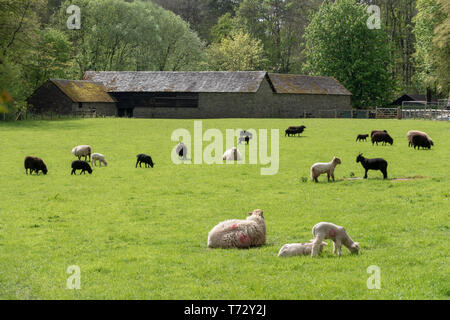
(376, 131)
(294, 130)
(382, 137)
(146, 159)
(35, 164)
(361, 137)
(373, 164)
(421, 141)
(81, 165)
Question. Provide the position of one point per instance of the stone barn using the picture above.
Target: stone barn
(69, 97)
(243, 94)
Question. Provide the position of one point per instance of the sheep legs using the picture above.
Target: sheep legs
(337, 246)
(316, 244)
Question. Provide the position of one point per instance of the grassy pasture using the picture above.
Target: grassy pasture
(141, 233)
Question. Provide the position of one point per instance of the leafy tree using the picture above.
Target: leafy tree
(338, 43)
(239, 52)
(432, 46)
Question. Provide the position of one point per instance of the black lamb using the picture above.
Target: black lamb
(81, 165)
(146, 159)
(373, 164)
(35, 164)
(294, 130)
(362, 137)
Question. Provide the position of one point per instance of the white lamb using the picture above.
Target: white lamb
(101, 159)
(232, 154)
(319, 168)
(298, 249)
(82, 151)
(327, 230)
(239, 233)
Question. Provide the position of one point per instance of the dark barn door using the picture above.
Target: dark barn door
(125, 112)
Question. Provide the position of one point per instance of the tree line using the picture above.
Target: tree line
(409, 52)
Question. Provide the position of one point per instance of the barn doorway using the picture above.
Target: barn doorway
(125, 112)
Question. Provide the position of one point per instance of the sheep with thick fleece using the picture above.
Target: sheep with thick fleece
(239, 233)
(298, 249)
(413, 133)
(101, 159)
(82, 151)
(232, 154)
(319, 168)
(327, 230)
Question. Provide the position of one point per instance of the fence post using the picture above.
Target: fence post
(399, 113)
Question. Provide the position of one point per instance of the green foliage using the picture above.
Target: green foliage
(338, 43)
(238, 52)
(142, 233)
(432, 45)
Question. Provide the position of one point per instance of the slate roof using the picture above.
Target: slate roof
(214, 82)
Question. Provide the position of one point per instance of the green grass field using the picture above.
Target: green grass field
(141, 233)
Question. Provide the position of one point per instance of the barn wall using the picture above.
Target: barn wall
(106, 109)
(48, 98)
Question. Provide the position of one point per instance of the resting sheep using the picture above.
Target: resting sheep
(373, 164)
(362, 137)
(101, 159)
(80, 165)
(327, 230)
(382, 137)
(299, 249)
(144, 158)
(422, 139)
(82, 151)
(35, 164)
(319, 168)
(232, 154)
(239, 233)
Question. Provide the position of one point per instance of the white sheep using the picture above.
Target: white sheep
(327, 230)
(82, 151)
(239, 233)
(319, 168)
(298, 249)
(100, 158)
(232, 154)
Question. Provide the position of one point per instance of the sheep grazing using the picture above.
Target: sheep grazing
(82, 151)
(35, 164)
(382, 137)
(101, 159)
(245, 136)
(362, 137)
(373, 164)
(299, 249)
(146, 159)
(232, 154)
(422, 139)
(294, 130)
(327, 230)
(181, 150)
(376, 131)
(80, 165)
(239, 233)
(319, 168)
